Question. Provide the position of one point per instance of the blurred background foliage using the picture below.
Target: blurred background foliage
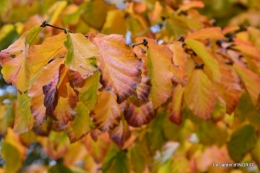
(52, 148)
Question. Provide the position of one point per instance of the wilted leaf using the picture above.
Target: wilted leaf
(241, 142)
(88, 92)
(107, 111)
(115, 162)
(36, 91)
(202, 52)
(176, 105)
(140, 114)
(81, 125)
(199, 94)
(23, 119)
(250, 80)
(81, 56)
(120, 134)
(119, 66)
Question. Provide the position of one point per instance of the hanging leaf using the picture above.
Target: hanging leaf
(179, 57)
(81, 125)
(118, 64)
(139, 114)
(176, 105)
(107, 111)
(24, 120)
(199, 94)
(207, 33)
(80, 58)
(202, 52)
(36, 91)
(88, 91)
(241, 142)
(15, 61)
(120, 134)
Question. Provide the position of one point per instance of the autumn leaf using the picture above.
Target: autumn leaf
(250, 80)
(176, 105)
(139, 114)
(81, 125)
(88, 91)
(161, 72)
(207, 33)
(120, 134)
(15, 61)
(188, 5)
(36, 91)
(80, 58)
(247, 49)
(40, 55)
(202, 52)
(64, 111)
(199, 94)
(118, 64)
(107, 111)
(24, 120)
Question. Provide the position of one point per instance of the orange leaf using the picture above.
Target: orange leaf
(64, 111)
(247, 49)
(120, 134)
(139, 114)
(107, 111)
(189, 5)
(119, 66)
(161, 71)
(176, 105)
(199, 94)
(36, 91)
(250, 80)
(179, 56)
(207, 33)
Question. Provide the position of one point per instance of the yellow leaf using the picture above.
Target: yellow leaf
(176, 105)
(199, 94)
(207, 33)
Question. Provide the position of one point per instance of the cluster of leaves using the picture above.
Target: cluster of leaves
(185, 94)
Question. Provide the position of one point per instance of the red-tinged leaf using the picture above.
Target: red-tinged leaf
(230, 29)
(40, 55)
(207, 33)
(51, 96)
(139, 114)
(189, 5)
(81, 125)
(81, 56)
(36, 91)
(161, 71)
(75, 78)
(88, 92)
(107, 111)
(203, 53)
(64, 111)
(228, 88)
(23, 119)
(119, 66)
(179, 55)
(247, 49)
(15, 62)
(176, 105)
(199, 94)
(250, 80)
(120, 134)
(143, 89)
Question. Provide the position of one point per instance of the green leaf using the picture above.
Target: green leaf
(202, 52)
(137, 159)
(241, 142)
(255, 152)
(88, 92)
(12, 158)
(59, 168)
(81, 125)
(23, 118)
(32, 34)
(115, 162)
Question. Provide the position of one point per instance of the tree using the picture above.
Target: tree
(121, 86)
